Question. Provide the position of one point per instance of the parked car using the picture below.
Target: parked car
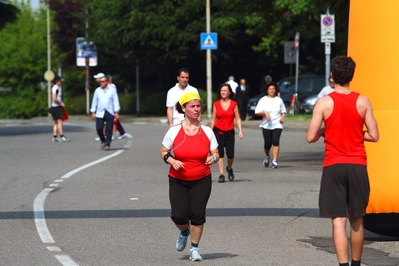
(307, 86)
(308, 104)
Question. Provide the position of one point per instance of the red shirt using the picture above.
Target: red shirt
(192, 151)
(225, 118)
(344, 140)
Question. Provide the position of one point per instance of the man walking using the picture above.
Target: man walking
(174, 94)
(344, 188)
(105, 108)
(242, 97)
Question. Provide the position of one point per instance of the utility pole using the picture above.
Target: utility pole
(48, 75)
(208, 62)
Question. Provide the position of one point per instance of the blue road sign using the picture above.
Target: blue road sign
(209, 41)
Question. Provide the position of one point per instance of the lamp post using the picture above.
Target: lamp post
(208, 62)
(48, 52)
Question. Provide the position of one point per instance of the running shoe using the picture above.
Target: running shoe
(274, 164)
(56, 139)
(221, 179)
(194, 254)
(123, 136)
(65, 139)
(230, 174)
(181, 241)
(266, 161)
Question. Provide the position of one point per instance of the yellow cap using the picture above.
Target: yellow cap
(189, 96)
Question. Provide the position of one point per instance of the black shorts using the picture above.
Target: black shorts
(56, 112)
(344, 190)
(226, 140)
(188, 200)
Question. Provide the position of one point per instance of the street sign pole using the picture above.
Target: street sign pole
(293, 100)
(327, 48)
(208, 62)
(87, 85)
(327, 28)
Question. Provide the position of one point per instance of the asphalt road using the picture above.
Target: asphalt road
(75, 204)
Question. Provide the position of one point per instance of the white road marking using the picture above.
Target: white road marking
(54, 248)
(66, 260)
(38, 210)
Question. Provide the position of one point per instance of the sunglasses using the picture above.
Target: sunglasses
(102, 81)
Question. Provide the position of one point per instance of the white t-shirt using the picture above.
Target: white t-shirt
(233, 85)
(325, 91)
(58, 91)
(274, 106)
(173, 97)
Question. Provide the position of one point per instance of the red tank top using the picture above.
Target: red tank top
(225, 118)
(343, 130)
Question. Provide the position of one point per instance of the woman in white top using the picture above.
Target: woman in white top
(273, 110)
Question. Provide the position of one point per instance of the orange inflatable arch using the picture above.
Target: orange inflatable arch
(374, 45)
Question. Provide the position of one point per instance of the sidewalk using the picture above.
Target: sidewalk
(301, 126)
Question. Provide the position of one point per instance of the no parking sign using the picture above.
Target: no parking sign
(327, 28)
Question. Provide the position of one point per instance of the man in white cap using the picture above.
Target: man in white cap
(105, 108)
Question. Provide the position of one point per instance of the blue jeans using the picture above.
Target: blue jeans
(109, 126)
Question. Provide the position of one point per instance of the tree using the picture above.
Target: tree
(8, 13)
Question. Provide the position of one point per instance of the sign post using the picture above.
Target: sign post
(294, 96)
(289, 54)
(327, 36)
(208, 42)
(86, 56)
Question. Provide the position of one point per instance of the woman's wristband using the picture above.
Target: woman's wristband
(215, 159)
(166, 157)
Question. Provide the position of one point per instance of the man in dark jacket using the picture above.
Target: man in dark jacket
(242, 96)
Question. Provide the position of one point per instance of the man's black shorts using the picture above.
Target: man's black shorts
(344, 190)
(56, 112)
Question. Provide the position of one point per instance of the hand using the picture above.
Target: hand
(210, 160)
(93, 116)
(268, 117)
(240, 135)
(176, 164)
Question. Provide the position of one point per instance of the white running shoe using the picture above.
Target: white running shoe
(194, 254)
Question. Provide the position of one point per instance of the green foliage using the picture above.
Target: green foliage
(160, 37)
(30, 104)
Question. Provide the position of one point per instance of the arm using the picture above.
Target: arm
(176, 164)
(94, 106)
(283, 112)
(213, 119)
(371, 133)
(264, 113)
(117, 106)
(213, 157)
(238, 119)
(259, 109)
(169, 115)
(314, 130)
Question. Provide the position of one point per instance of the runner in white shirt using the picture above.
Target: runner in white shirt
(174, 95)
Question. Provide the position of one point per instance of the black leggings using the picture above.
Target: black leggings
(271, 137)
(226, 140)
(188, 200)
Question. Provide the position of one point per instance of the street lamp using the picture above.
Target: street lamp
(48, 75)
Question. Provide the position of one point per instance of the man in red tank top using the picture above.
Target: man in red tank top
(344, 187)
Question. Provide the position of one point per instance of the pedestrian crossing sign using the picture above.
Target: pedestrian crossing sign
(209, 41)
